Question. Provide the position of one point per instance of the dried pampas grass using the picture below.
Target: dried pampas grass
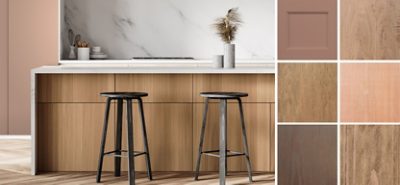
(227, 26)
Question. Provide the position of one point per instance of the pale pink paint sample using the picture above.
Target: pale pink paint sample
(33, 42)
(370, 92)
(3, 66)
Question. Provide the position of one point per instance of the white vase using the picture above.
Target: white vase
(72, 54)
(229, 56)
(83, 53)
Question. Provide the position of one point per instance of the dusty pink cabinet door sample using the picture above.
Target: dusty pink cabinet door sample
(370, 92)
(307, 29)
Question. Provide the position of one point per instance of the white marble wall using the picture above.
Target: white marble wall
(170, 28)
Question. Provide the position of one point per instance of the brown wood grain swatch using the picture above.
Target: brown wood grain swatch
(370, 154)
(307, 92)
(370, 92)
(307, 155)
(369, 29)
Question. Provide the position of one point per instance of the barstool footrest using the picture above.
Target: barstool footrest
(124, 153)
(213, 153)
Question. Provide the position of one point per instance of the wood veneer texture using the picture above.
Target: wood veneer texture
(307, 92)
(369, 29)
(307, 155)
(69, 139)
(307, 29)
(370, 92)
(369, 154)
(161, 87)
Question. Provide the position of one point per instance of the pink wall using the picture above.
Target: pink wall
(33, 41)
(3, 66)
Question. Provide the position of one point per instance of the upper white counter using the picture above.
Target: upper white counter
(156, 67)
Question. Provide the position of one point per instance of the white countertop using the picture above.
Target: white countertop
(171, 67)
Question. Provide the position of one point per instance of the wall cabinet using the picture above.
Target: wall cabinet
(70, 120)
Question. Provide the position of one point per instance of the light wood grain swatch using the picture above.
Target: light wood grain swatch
(369, 29)
(370, 92)
(161, 88)
(307, 92)
(258, 125)
(74, 87)
(370, 154)
(260, 87)
(307, 155)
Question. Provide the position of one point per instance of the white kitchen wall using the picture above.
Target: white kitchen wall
(169, 28)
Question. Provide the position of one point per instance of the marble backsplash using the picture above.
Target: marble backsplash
(168, 28)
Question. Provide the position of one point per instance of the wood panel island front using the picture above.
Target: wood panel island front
(67, 116)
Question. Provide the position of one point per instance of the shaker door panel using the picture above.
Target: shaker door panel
(307, 29)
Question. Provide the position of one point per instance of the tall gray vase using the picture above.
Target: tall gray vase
(229, 56)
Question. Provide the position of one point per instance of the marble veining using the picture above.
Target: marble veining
(168, 28)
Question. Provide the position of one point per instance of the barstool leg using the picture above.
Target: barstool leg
(246, 146)
(203, 129)
(145, 142)
(103, 141)
(222, 142)
(118, 139)
(131, 154)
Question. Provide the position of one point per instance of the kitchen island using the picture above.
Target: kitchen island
(67, 115)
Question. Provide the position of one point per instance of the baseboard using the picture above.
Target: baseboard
(22, 137)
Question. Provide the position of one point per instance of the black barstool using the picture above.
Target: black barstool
(117, 153)
(224, 153)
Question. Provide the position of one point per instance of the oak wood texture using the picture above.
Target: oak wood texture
(370, 92)
(259, 87)
(307, 29)
(369, 154)
(369, 29)
(307, 92)
(258, 126)
(69, 136)
(74, 87)
(307, 155)
(161, 88)
(169, 131)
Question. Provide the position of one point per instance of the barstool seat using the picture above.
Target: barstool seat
(223, 95)
(124, 94)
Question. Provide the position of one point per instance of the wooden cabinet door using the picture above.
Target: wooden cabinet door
(307, 29)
